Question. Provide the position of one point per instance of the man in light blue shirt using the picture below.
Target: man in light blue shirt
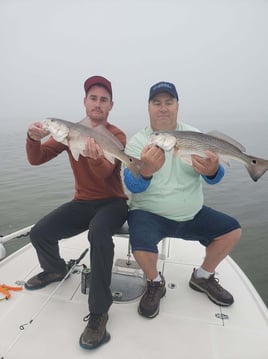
(167, 201)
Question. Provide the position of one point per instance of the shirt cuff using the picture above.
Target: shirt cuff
(217, 178)
(135, 185)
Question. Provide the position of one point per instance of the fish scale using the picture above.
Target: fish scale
(75, 135)
(187, 143)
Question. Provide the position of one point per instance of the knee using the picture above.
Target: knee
(99, 237)
(234, 236)
(35, 234)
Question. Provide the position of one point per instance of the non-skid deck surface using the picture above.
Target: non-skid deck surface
(187, 327)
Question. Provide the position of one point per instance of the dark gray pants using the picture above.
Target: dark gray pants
(102, 218)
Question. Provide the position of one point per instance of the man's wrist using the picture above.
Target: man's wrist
(214, 175)
(147, 178)
(217, 178)
(30, 138)
(146, 175)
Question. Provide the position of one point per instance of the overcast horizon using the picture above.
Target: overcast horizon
(213, 51)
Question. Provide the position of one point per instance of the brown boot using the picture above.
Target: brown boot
(95, 333)
(43, 279)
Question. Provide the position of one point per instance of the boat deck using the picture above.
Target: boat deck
(188, 325)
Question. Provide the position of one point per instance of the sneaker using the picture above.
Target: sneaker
(43, 279)
(211, 286)
(95, 333)
(150, 301)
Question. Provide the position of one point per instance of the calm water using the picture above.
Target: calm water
(28, 192)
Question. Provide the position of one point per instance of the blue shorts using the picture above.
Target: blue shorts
(147, 229)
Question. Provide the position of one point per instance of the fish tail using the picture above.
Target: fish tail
(256, 167)
(135, 166)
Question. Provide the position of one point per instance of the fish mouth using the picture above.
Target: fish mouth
(46, 123)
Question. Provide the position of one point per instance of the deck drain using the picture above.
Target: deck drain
(117, 295)
(221, 316)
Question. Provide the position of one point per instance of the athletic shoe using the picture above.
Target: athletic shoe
(95, 333)
(211, 286)
(150, 301)
(43, 279)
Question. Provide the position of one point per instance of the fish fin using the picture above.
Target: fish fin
(227, 138)
(109, 157)
(226, 162)
(256, 167)
(75, 153)
(72, 142)
(176, 152)
(103, 130)
(134, 165)
(187, 160)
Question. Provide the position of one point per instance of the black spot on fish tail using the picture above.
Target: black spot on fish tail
(135, 166)
(256, 167)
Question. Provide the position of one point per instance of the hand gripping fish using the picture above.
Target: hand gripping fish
(74, 135)
(187, 143)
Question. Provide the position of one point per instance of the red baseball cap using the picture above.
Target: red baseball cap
(98, 80)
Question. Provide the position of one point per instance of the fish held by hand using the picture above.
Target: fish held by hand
(188, 143)
(74, 135)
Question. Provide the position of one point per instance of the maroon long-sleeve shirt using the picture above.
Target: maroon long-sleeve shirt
(94, 179)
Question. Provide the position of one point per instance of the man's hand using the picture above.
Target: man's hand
(36, 131)
(154, 158)
(206, 166)
(92, 149)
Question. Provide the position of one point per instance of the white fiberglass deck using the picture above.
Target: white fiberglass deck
(188, 326)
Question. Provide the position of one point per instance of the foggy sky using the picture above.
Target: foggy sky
(215, 51)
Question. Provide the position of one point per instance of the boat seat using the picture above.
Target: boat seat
(128, 280)
(124, 230)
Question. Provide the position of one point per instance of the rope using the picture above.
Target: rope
(72, 264)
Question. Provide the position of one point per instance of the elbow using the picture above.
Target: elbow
(33, 161)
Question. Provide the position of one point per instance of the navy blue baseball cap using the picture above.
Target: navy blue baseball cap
(163, 87)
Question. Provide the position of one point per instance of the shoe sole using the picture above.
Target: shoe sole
(215, 301)
(42, 285)
(155, 313)
(104, 340)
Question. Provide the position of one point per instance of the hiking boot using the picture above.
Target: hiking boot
(211, 286)
(43, 279)
(150, 301)
(95, 333)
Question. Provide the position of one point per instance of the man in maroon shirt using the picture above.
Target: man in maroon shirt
(99, 205)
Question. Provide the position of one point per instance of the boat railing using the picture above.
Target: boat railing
(21, 233)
